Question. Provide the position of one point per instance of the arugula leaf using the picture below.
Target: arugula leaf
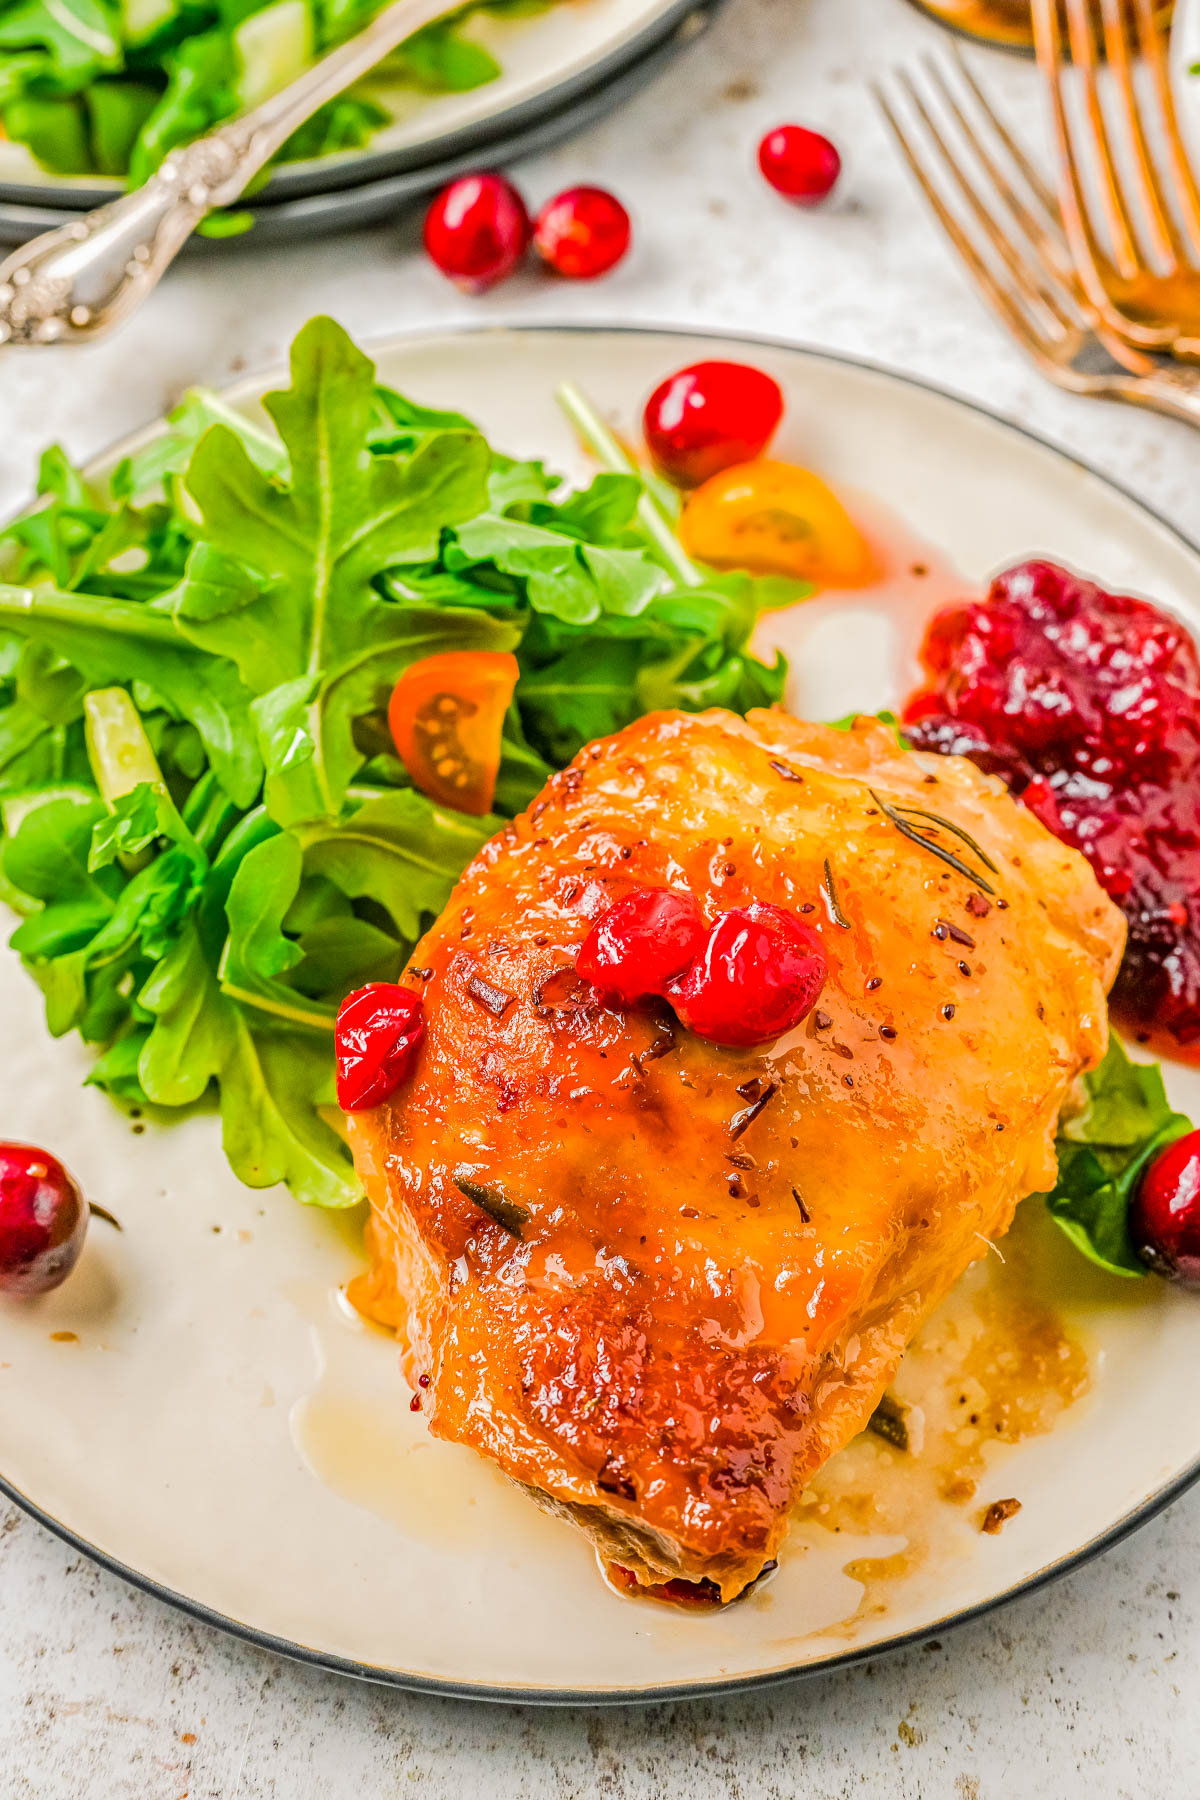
(574, 581)
(271, 1086)
(399, 850)
(1103, 1152)
(137, 820)
(258, 951)
(111, 642)
(309, 634)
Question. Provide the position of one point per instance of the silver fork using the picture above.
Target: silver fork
(1002, 218)
(78, 281)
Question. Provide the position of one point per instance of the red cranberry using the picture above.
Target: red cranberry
(709, 416)
(759, 974)
(1164, 1218)
(582, 233)
(43, 1220)
(379, 1031)
(800, 164)
(477, 231)
(641, 943)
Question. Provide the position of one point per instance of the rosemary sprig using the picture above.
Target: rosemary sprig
(949, 825)
(499, 1209)
(906, 829)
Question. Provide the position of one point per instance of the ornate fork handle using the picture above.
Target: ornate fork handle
(80, 280)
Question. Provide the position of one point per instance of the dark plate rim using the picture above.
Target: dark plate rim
(720, 1685)
(349, 169)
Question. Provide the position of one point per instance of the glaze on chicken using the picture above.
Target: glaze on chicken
(660, 1281)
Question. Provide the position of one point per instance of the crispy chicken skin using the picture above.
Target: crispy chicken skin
(722, 1253)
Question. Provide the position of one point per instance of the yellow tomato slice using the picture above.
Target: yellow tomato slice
(772, 518)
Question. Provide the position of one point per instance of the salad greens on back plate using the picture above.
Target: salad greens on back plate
(110, 87)
(205, 824)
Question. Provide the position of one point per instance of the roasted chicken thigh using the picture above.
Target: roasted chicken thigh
(658, 1280)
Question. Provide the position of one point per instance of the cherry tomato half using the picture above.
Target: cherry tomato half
(446, 717)
(772, 518)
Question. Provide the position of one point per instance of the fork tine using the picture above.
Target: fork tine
(1001, 301)
(1154, 55)
(1047, 239)
(1039, 293)
(1029, 173)
(1167, 243)
(1112, 197)
(1085, 249)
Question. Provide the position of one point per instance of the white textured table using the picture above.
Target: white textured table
(1089, 1689)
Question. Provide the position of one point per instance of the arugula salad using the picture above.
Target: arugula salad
(110, 87)
(205, 822)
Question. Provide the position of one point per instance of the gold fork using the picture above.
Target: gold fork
(1132, 212)
(1002, 219)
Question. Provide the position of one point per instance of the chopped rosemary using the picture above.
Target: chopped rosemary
(502, 1211)
(895, 815)
(888, 1422)
(829, 895)
(741, 1121)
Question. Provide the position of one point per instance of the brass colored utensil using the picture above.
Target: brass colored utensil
(1008, 23)
(1002, 218)
(1128, 197)
(77, 282)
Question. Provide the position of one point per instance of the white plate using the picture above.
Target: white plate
(220, 1430)
(545, 60)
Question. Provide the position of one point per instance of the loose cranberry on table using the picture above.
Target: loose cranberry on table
(761, 972)
(379, 1031)
(799, 164)
(582, 233)
(1164, 1218)
(641, 943)
(43, 1220)
(708, 417)
(1087, 704)
(477, 231)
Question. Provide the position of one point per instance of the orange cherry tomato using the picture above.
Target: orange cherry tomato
(446, 717)
(772, 518)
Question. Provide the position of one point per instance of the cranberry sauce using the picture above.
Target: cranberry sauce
(1087, 705)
